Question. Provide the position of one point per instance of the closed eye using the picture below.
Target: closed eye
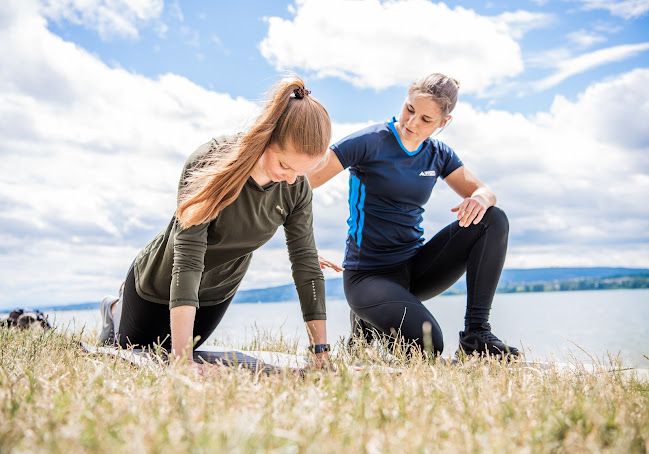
(281, 164)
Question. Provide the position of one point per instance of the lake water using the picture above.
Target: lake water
(547, 326)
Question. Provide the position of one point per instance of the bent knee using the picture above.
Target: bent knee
(496, 218)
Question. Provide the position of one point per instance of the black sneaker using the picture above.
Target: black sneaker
(484, 342)
(361, 331)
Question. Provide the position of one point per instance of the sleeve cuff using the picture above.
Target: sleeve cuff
(178, 303)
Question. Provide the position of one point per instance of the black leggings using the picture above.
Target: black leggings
(389, 300)
(144, 323)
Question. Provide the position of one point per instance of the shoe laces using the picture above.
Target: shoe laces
(486, 336)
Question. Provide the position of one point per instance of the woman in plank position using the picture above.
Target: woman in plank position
(389, 268)
(234, 193)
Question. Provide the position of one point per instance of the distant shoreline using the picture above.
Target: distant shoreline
(95, 306)
(533, 280)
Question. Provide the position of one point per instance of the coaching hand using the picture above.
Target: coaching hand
(327, 264)
(472, 209)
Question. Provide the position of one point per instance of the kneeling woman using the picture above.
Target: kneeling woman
(233, 195)
(389, 269)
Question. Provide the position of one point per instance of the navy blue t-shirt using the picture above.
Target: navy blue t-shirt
(388, 187)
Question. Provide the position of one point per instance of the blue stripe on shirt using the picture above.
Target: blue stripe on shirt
(361, 221)
(353, 210)
(356, 202)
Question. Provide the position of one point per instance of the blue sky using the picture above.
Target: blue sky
(102, 101)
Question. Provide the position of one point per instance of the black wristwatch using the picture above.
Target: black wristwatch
(319, 348)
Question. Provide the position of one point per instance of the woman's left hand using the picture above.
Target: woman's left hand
(471, 210)
(327, 264)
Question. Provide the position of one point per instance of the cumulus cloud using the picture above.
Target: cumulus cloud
(568, 178)
(375, 44)
(91, 156)
(110, 18)
(627, 9)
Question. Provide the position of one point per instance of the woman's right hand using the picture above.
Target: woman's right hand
(321, 361)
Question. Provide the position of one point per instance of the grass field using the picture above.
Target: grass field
(55, 398)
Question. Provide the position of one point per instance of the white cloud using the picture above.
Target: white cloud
(377, 44)
(569, 179)
(110, 18)
(521, 22)
(176, 11)
(627, 9)
(91, 156)
(584, 38)
(577, 65)
(614, 111)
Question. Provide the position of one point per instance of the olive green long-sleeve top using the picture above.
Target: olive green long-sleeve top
(203, 265)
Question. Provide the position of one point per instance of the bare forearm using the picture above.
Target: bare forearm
(331, 166)
(317, 331)
(487, 196)
(182, 330)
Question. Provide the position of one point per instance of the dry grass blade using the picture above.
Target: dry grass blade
(56, 398)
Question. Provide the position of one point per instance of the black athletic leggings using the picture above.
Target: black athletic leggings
(144, 323)
(390, 299)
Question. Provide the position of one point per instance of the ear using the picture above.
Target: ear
(443, 125)
(446, 121)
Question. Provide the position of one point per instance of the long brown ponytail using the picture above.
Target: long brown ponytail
(289, 116)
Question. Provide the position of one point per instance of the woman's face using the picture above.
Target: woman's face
(419, 118)
(277, 164)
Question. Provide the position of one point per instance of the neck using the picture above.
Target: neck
(259, 177)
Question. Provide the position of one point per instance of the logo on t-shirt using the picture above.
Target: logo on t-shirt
(280, 210)
(427, 173)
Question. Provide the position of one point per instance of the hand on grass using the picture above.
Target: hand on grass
(321, 362)
(197, 368)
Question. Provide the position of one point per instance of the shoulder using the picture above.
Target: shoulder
(447, 160)
(361, 145)
(218, 144)
(440, 147)
(369, 134)
(198, 154)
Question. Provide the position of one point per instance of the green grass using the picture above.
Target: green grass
(55, 398)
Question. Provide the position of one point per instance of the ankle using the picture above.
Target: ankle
(477, 327)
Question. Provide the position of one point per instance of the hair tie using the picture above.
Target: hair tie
(301, 92)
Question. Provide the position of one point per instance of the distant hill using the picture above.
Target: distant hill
(512, 276)
(512, 280)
